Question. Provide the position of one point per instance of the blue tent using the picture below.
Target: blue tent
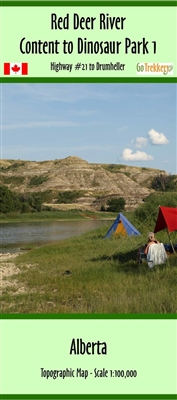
(121, 226)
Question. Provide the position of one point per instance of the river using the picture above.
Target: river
(16, 235)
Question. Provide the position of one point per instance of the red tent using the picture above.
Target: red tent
(167, 218)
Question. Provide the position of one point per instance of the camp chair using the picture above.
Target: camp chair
(142, 257)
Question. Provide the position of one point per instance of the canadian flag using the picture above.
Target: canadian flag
(15, 68)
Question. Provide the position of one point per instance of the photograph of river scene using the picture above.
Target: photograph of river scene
(84, 169)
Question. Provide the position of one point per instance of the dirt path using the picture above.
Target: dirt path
(7, 269)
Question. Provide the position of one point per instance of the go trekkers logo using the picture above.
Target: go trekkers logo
(154, 69)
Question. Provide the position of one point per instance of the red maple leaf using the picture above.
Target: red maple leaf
(15, 68)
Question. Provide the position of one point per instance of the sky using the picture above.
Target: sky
(130, 124)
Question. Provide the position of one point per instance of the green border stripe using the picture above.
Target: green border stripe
(88, 80)
(89, 3)
(90, 396)
(88, 316)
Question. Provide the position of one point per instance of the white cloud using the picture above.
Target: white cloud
(128, 155)
(140, 142)
(157, 138)
(122, 128)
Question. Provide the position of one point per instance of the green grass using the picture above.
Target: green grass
(54, 216)
(15, 164)
(89, 274)
(37, 180)
(68, 196)
(113, 167)
(118, 167)
(13, 180)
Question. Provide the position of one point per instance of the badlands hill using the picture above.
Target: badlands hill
(96, 183)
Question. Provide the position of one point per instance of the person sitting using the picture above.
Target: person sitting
(155, 252)
(143, 250)
(151, 240)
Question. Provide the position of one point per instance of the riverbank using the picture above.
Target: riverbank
(44, 216)
(88, 274)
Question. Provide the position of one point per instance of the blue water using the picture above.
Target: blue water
(16, 235)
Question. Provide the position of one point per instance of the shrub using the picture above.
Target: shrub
(164, 183)
(68, 197)
(24, 203)
(14, 180)
(25, 208)
(116, 205)
(38, 180)
(9, 201)
(149, 210)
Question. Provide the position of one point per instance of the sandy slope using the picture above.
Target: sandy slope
(7, 269)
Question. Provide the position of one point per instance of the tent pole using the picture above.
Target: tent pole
(170, 241)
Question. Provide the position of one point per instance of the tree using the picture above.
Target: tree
(164, 183)
(116, 205)
(24, 202)
(9, 201)
(149, 210)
